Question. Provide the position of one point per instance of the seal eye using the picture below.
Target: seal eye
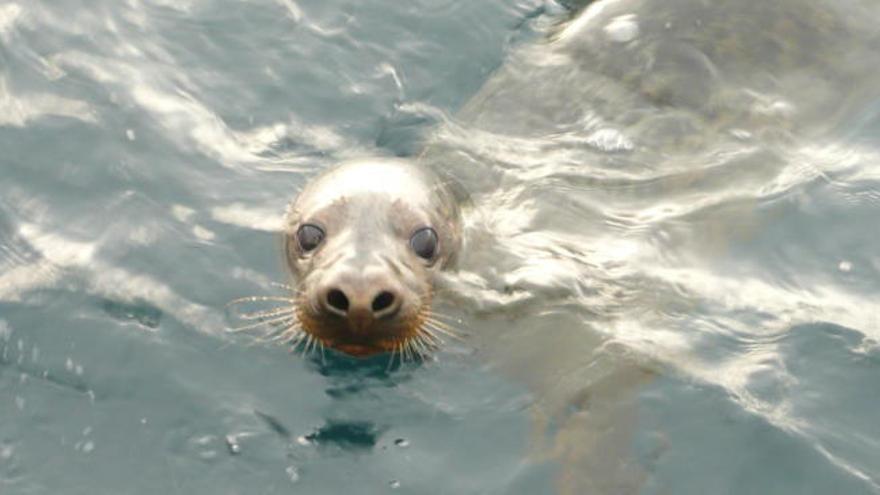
(424, 243)
(309, 237)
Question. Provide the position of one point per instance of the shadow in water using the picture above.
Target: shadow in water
(336, 365)
(349, 378)
(140, 311)
(346, 435)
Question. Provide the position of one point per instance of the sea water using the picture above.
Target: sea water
(148, 149)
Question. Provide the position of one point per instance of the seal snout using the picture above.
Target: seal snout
(361, 302)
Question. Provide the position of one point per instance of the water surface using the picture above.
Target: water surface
(676, 321)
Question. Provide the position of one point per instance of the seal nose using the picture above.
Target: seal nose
(337, 301)
(361, 305)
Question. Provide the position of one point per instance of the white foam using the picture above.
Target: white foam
(17, 110)
(237, 214)
(622, 29)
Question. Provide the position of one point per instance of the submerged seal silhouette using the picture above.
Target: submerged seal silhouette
(364, 241)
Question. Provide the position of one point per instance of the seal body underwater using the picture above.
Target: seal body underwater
(365, 241)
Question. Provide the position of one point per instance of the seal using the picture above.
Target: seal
(629, 90)
(364, 241)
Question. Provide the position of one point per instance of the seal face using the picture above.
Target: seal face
(364, 242)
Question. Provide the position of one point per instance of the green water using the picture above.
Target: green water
(149, 148)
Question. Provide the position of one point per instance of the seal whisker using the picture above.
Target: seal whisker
(425, 346)
(281, 337)
(297, 340)
(416, 347)
(447, 332)
(439, 329)
(310, 347)
(256, 315)
(432, 340)
(419, 351)
(277, 335)
(427, 333)
(420, 355)
(265, 323)
(287, 334)
(285, 287)
(305, 346)
(241, 300)
(390, 360)
(438, 323)
(408, 351)
(440, 316)
(428, 346)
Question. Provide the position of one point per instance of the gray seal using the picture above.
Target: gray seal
(364, 241)
(627, 88)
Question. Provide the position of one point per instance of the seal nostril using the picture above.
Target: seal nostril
(383, 301)
(337, 300)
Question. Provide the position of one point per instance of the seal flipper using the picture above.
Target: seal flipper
(593, 442)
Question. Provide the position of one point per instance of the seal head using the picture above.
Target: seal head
(364, 242)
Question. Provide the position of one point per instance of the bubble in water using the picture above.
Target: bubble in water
(401, 442)
(292, 474)
(845, 266)
(129, 133)
(622, 29)
(88, 447)
(6, 452)
(394, 484)
(233, 445)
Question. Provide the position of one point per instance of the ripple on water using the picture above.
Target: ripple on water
(722, 244)
(140, 312)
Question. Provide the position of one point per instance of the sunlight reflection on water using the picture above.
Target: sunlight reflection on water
(663, 237)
